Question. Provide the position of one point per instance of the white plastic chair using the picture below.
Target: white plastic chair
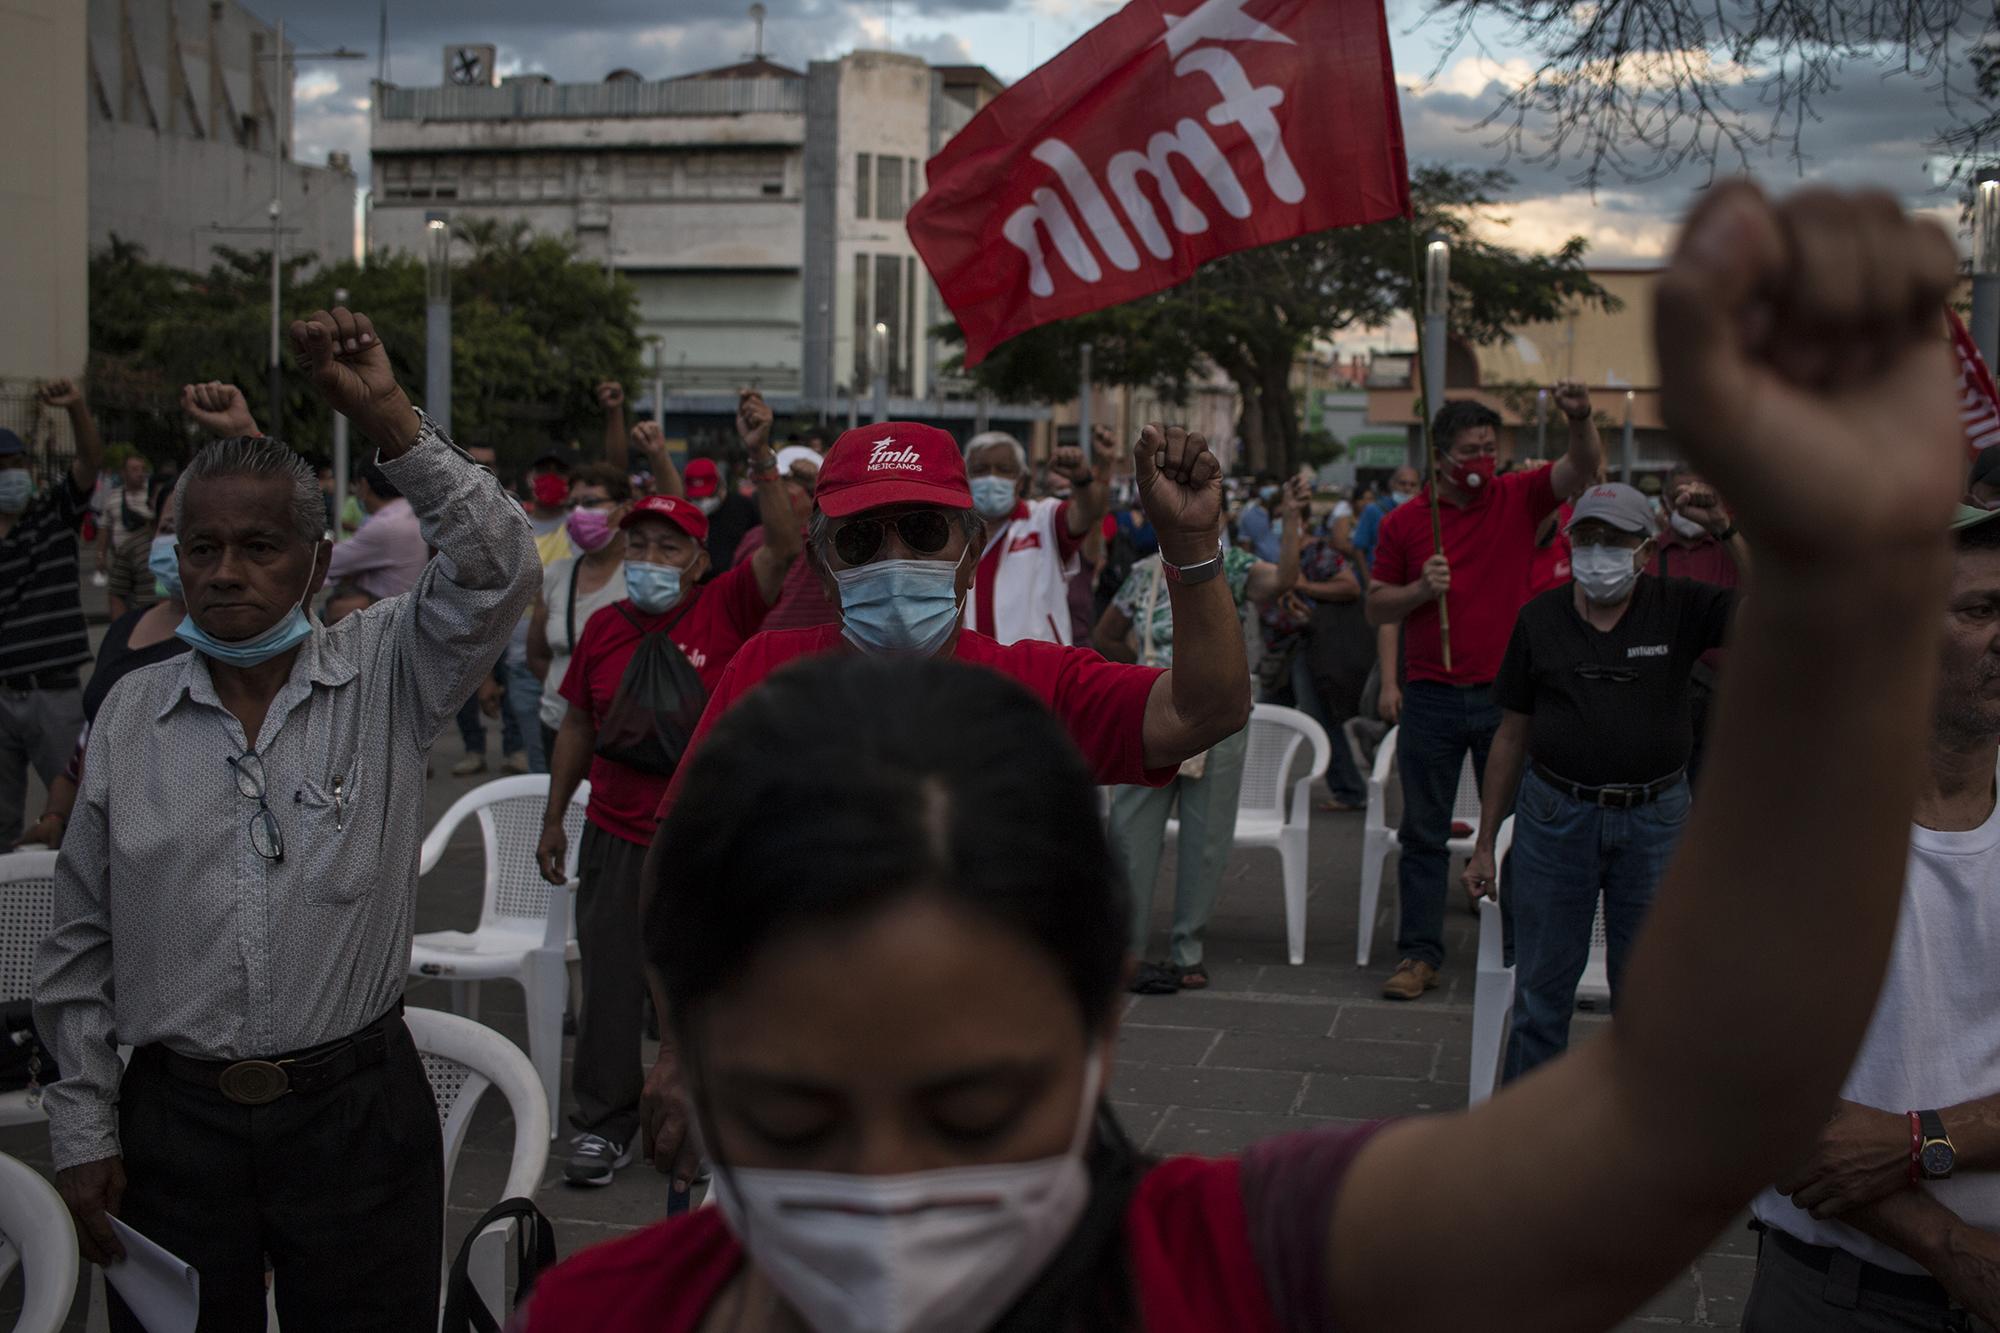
(36, 1233)
(1493, 989)
(27, 915)
(1378, 835)
(527, 927)
(1262, 819)
(463, 1059)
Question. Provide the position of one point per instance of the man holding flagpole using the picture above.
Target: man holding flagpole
(1462, 547)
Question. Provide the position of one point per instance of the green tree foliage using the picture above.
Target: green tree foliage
(534, 329)
(1250, 314)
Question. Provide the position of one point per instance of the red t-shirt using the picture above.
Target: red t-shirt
(1103, 704)
(802, 602)
(1550, 568)
(1491, 546)
(1225, 1243)
(709, 627)
(1704, 560)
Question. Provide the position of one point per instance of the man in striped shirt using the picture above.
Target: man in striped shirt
(42, 637)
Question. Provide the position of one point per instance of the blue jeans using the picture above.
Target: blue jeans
(472, 723)
(523, 706)
(1566, 853)
(1440, 723)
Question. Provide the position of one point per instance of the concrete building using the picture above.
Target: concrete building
(758, 211)
(43, 210)
(1610, 351)
(185, 100)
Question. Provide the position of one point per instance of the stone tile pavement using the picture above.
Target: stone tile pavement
(1269, 1048)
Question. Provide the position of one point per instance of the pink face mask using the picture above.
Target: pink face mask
(590, 529)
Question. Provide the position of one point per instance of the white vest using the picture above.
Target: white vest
(1031, 586)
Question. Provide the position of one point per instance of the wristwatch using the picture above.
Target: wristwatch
(1935, 1155)
(1726, 533)
(1189, 575)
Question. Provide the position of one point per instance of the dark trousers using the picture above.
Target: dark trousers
(1791, 1296)
(1440, 724)
(341, 1191)
(1566, 853)
(607, 1077)
(472, 722)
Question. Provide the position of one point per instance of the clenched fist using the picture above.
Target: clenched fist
(611, 395)
(753, 420)
(219, 409)
(339, 351)
(1573, 399)
(1180, 487)
(61, 393)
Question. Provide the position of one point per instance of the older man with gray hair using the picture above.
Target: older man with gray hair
(236, 890)
(1020, 589)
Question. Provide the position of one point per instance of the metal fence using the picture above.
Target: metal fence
(515, 101)
(46, 431)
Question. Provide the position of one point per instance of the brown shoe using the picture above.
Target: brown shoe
(1410, 980)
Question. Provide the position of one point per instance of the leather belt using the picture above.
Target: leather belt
(314, 1069)
(42, 680)
(1621, 797)
(1872, 1278)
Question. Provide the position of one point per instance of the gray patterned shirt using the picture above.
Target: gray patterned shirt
(169, 927)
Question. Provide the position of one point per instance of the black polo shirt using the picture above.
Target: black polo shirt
(1611, 706)
(41, 610)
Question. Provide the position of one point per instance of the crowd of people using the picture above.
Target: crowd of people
(887, 1028)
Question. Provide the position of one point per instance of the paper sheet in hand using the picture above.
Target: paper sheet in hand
(163, 1291)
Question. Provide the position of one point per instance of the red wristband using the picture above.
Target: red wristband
(1916, 1147)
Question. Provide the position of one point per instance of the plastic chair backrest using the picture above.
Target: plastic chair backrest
(27, 915)
(34, 1221)
(1275, 734)
(462, 1059)
(509, 811)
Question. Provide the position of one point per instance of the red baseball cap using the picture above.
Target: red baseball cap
(701, 477)
(687, 517)
(892, 462)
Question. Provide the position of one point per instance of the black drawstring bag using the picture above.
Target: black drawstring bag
(659, 701)
(534, 1251)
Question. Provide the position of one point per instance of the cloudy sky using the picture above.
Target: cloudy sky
(1874, 130)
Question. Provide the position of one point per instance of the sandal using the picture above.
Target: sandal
(1154, 979)
(1193, 978)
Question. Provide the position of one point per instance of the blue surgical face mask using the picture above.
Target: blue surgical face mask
(165, 562)
(653, 588)
(993, 497)
(17, 487)
(292, 629)
(1267, 494)
(1394, 498)
(899, 606)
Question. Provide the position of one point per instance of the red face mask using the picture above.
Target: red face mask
(1472, 474)
(550, 489)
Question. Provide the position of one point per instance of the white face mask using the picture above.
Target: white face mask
(1605, 573)
(1687, 527)
(945, 1251)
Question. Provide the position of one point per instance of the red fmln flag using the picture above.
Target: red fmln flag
(1174, 132)
(1978, 403)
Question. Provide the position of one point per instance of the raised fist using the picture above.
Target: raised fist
(1573, 399)
(753, 420)
(219, 409)
(347, 364)
(1297, 497)
(61, 393)
(610, 395)
(1700, 504)
(1180, 487)
(649, 439)
(1804, 368)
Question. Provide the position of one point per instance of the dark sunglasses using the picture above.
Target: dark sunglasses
(925, 531)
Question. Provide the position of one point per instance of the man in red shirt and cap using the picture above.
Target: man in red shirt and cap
(729, 515)
(689, 630)
(896, 542)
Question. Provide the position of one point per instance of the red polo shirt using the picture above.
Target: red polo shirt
(709, 627)
(1704, 560)
(1103, 704)
(1491, 546)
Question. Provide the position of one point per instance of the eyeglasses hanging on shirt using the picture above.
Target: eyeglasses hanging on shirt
(1597, 671)
(266, 838)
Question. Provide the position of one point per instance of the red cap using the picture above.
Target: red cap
(892, 462)
(701, 477)
(687, 517)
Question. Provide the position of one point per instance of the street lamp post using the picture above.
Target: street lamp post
(340, 452)
(657, 343)
(1083, 400)
(1986, 265)
(1541, 423)
(1437, 304)
(1628, 460)
(878, 362)
(437, 321)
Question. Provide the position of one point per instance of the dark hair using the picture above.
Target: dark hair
(1457, 416)
(1981, 537)
(614, 480)
(909, 777)
(378, 482)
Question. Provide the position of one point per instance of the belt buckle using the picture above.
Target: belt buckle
(254, 1082)
(1616, 798)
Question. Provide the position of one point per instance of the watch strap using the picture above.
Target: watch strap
(1932, 1125)
(1916, 1147)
